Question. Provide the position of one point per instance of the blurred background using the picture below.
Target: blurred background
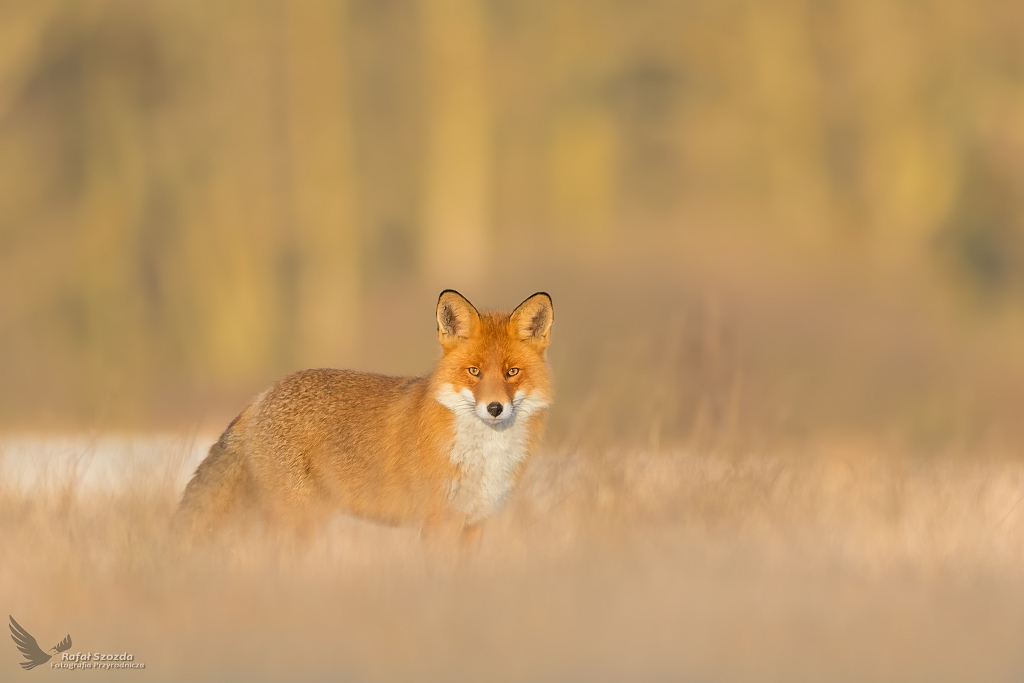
(760, 222)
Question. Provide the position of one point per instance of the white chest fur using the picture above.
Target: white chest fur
(487, 455)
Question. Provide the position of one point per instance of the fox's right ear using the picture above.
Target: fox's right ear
(457, 319)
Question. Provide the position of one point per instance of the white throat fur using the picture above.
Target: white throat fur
(486, 452)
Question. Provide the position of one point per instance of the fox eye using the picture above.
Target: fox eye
(474, 371)
(512, 372)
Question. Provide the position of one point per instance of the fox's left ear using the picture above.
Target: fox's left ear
(532, 319)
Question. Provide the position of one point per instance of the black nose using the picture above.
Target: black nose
(494, 409)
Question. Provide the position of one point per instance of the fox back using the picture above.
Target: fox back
(447, 447)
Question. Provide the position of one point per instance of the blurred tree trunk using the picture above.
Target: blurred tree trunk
(582, 135)
(459, 160)
(113, 190)
(582, 165)
(275, 243)
(21, 27)
(320, 271)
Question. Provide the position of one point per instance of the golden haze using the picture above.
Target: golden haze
(785, 241)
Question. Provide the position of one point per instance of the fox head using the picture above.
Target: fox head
(493, 363)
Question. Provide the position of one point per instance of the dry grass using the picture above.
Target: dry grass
(834, 562)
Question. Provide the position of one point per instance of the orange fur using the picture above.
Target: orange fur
(400, 450)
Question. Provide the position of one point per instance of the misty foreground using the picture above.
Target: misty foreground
(834, 561)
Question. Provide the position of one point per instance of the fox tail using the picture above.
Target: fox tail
(217, 488)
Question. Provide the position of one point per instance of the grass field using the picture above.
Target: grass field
(806, 479)
(835, 561)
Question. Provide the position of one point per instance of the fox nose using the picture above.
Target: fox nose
(494, 409)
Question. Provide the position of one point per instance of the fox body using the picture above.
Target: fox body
(448, 446)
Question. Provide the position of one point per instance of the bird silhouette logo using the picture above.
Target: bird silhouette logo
(30, 648)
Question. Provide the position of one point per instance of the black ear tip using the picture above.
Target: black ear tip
(450, 299)
(532, 301)
(551, 304)
(449, 291)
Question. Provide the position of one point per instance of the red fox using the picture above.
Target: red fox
(447, 447)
